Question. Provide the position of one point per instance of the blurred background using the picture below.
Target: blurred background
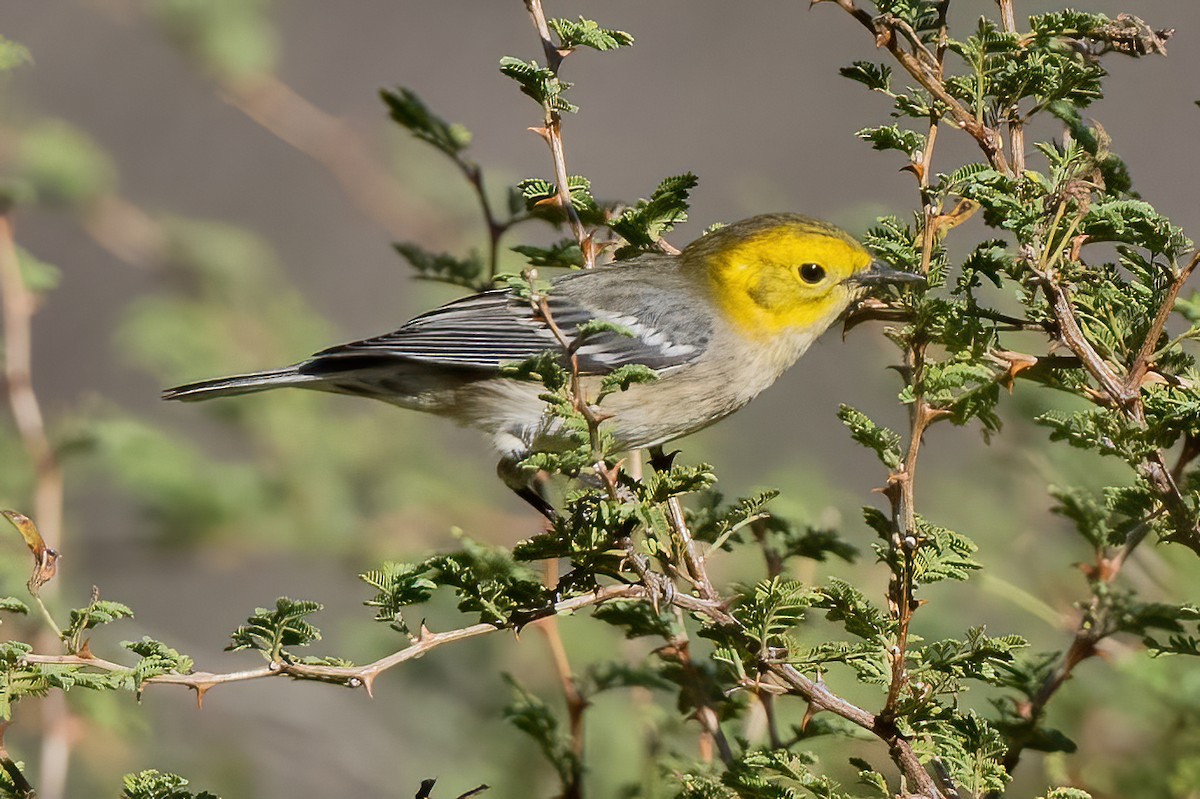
(217, 188)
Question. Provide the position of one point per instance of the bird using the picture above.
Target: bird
(716, 323)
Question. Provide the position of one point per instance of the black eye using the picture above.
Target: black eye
(812, 273)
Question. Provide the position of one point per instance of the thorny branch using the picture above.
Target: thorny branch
(925, 68)
(351, 676)
(551, 133)
(1120, 393)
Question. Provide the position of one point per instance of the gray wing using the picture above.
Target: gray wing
(485, 331)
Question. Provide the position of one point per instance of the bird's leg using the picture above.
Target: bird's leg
(527, 486)
(534, 497)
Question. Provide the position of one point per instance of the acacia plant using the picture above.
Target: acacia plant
(1076, 286)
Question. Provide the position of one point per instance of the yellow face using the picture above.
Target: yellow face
(778, 273)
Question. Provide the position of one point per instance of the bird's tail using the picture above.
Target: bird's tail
(239, 384)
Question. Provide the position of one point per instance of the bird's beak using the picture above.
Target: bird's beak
(879, 274)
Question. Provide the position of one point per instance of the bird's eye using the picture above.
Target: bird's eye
(812, 273)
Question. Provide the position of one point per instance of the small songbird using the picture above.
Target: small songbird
(717, 323)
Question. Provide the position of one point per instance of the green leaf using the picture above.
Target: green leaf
(97, 613)
(409, 111)
(156, 658)
(637, 618)
(876, 77)
(649, 220)
(769, 612)
(63, 166)
(238, 40)
(13, 55)
(445, 268)
(942, 554)
(491, 583)
(971, 748)
(1067, 793)
(10, 604)
(564, 254)
(621, 378)
(545, 368)
(893, 137)
(848, 606)
(540, 83)
(883, 441)
(39, 277)
(399, 585)
(541, 197)
(271, 631)
(152, 784)
(609, 675)
(586, 33)
(530, 715)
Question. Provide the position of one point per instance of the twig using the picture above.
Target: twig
(1142, 363)
(901, 483)
(551, 133)
(351, 676)
(576, 703)
(884, 31)
(821, 698)
(678, 649)
(1016, 126)
(23, 789)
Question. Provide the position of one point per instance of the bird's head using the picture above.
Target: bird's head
(780, 273)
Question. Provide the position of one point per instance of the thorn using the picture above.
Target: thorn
(543, 132)
(808, 716)
(368, 683)
(201, 689)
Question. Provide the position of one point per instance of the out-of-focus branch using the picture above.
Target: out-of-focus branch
(285, 113)
(326, 139)
(21, 785)
(576, 702)
(20, 305)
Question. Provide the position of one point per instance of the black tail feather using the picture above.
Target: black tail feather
(239, 384)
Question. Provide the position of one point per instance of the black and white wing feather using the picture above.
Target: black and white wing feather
(486, 331)
(477, 335)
